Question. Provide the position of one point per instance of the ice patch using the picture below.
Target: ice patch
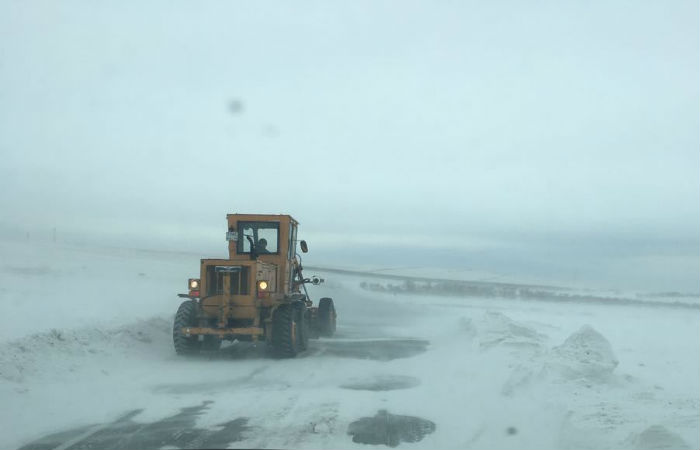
(376, 349)
(30, 270)
(584, 354)
(389, 429)
(382, 383)
(656, 437)
(177, 431)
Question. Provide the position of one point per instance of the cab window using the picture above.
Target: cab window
(264, 235)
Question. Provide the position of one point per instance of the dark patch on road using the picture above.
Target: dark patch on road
(233, 350)
(211, 387)
(389, 429)
(174, 431)
(380, 350)
(54, 440)
(29, 270)
(383, 383)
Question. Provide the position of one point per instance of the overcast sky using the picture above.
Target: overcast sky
(521, 133)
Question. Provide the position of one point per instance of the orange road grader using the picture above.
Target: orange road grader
(258, 293)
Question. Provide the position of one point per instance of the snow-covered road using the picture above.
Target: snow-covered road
(417, 371)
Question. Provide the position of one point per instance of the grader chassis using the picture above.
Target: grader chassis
(258, 293)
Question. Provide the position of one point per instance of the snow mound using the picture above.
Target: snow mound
(521, 376)
(62, 349)
(584, 354)
(467, 326)
(496, 329)
(656, 437)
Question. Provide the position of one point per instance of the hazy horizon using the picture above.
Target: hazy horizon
(553, 140)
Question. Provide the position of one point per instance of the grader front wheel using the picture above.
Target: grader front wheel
(186, 316)
(286, 332)
(303, 326)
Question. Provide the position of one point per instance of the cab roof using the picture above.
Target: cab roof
(260, 218)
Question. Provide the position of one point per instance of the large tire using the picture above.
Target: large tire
(285, 332)
(186, 316)
(326, 317)
(302, 325)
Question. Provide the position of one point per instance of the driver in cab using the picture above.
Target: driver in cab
(261, 248)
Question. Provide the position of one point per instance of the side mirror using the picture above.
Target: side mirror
(304, 247)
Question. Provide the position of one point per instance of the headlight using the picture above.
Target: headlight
(194, 284)
(262, 285)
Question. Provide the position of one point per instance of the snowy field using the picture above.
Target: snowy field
(86, 361)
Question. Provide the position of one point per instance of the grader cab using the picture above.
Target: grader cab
(257, 294)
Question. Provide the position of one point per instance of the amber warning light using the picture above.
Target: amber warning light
(193, 284)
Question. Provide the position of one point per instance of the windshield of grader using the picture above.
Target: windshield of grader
(264, 235)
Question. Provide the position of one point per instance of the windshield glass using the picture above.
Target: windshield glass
(264, 235)
(502, 199)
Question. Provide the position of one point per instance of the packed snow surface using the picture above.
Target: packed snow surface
(86, 361)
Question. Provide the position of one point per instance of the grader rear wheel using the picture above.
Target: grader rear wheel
(326, 317)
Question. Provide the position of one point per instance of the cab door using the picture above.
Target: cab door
(291, 254)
